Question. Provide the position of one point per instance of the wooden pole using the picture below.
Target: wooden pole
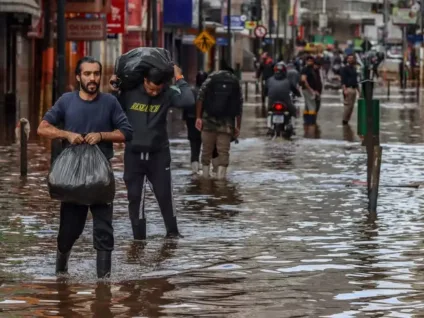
(375, 179)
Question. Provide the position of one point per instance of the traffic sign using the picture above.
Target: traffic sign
(204, 41)
(250, 25)
(236, 22)
(260, 31)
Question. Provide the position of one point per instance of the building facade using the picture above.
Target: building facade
(18, 62)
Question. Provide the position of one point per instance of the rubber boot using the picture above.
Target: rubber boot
(206, 171)
(222, 173)
(215, 165)
(172, 228)
(139, 229)
(62, 262)
(195, 167)
(104, 263)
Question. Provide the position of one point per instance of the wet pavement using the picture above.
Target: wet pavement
(286, 236)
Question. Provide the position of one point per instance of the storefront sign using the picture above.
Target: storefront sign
(178, 13)
(116, 18)
(86, 29)
(85, 6)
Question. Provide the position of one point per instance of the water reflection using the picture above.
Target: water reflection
(312, 131)
(348, 133)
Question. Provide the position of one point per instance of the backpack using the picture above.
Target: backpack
(222, 96)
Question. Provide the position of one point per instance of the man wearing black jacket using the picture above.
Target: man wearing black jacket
(147, 157)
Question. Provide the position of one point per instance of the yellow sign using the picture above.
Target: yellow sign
(250, 25)
(204, 41)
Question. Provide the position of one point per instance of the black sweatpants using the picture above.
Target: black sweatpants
(195, 138)
(139, 168)
(72, 223)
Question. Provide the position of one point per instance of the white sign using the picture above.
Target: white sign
(323, 21)
(260, 31)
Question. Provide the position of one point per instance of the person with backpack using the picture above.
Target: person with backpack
(218, 111)
(194, 136)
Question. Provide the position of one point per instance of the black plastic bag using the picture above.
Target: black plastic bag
(132, 66)
(81, 174)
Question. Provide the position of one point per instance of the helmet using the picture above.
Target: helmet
(280, 68)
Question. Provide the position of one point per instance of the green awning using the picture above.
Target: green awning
(20, 6)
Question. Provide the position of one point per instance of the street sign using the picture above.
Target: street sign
(323, 21)
(221, 41)
(204, 41)
(260, 31)
(250, 25)
(236, 23)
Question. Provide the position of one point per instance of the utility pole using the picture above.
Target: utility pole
(61, 69)
(155, 23)
(229, 54)
(56, 144)
(385, 20)
(277, 40)
(270, 20)
(200, 62)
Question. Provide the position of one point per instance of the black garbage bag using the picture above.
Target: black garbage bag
(132, 66)
(81, 174)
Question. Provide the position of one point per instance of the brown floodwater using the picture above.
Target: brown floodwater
(287, 235)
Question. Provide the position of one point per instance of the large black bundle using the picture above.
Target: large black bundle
(132, 66)
(81, 174)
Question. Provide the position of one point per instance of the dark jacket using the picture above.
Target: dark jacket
(266, 69)
(279, 90)
(190, 112)
(349, 76)
(148, 114)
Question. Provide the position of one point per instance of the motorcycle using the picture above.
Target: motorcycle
(281, 121)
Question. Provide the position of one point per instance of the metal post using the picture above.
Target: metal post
(24, 148)
(200, 62)
(404, 51)
(155, 23)
(270, 11)
(61, 39)
(277, 43)
(229, 54)
(386, 15)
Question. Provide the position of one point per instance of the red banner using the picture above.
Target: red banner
(116, 17)
(136, 10)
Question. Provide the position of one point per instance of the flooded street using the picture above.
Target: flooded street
(288, 235)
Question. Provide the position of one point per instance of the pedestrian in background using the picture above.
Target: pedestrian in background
(193, 134)
(310, 87)
(100, 116)
(350, 87)
(318, 73)
(218, 112)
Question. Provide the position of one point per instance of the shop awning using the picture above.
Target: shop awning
(20, 6)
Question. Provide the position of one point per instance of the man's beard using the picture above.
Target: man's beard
(87, 90)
